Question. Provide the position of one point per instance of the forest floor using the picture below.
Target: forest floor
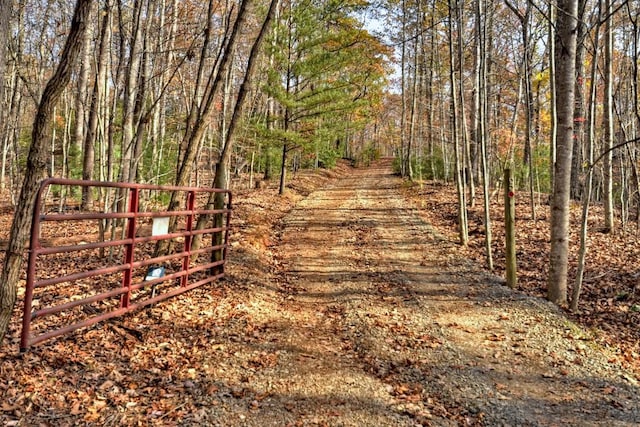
(347, 303)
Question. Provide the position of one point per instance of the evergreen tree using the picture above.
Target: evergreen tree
(327, 76)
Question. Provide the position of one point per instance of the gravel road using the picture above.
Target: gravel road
(376, 320)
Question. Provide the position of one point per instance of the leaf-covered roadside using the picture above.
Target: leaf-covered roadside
(342, 308)
(165, 364)
(610, 300)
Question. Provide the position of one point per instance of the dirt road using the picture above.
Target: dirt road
(381, 323)
(348, 311)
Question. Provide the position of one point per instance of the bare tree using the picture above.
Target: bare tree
(579, 110)
(37, 163)
(221, 176)
(96, 99)
(5, 16)
(81, 93)
(608, 121)
(588, 182)
(527, 72)
(463, 231)
(481, 130)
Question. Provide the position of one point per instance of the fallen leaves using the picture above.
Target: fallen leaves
(610, 299)
(200, 357)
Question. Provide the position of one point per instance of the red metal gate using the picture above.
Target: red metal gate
(111, 264)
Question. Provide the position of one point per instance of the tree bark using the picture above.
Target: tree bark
(37, 163)
(88, 152)
(588, 184)
(566, 41)
(467, 174)
(131, 92)
(405, 150)
(5, 18)
(81, 99)
(579, 112)
(481, 123)
(553, 132)
(608, 122)
(463, 232)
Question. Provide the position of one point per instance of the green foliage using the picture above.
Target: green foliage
(327, 156)
(369, 154)
(159, 169)
(397, 165)
(75, 162)
(541, 168)
(430, 167)
(326, 75)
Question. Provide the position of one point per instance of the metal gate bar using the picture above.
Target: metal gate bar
(186, 256)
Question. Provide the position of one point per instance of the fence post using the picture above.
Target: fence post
(228, 228)
(186, 261)
(34, 246)
(218, 237)
(509, 228)
(129, 250)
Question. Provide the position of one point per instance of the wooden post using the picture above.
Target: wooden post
(509, 227)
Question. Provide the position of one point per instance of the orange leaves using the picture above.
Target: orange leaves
(409, 392)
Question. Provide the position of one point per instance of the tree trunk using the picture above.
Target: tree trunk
(579, 112)
(435, 173)
(131, 92)
(8, 120)
(283, 169)
(96, 99)
(608, 123)
(466, 170)
(565, 83)
(463, 232)
(37, 163)
(553, 132)
(405, 156)
(81, 101)
(527, 71)
(413, 113)
(5, 17)
(588, 184)
(482, 117)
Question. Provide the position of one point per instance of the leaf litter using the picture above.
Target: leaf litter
(341, 306)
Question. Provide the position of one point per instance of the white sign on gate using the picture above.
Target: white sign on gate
(160, 226)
